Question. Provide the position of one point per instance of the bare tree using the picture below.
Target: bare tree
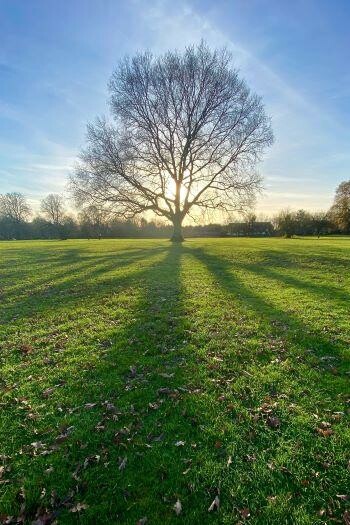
(14, 206)
(52, 207)
(93, 220)
(186, 132)
(285, 223)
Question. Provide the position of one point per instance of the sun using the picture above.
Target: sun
(170, 189)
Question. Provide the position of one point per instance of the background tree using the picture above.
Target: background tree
(93, 221)
(340, 211)
(41, 228)
(285, 223)
(250, 219)
(186, 133)
(14, 212)
(68, 228)
(52, 207)
(320, 223)
(303, 222)
(14, 206)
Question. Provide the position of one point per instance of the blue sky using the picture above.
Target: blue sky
(56, 58)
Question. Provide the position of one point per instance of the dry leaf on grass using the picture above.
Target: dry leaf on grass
(90, 405)
(215, 504)
(325, 432)
(48, 392)
(178, 507)
(164, 391)
(153, 406)
(273, 422)
(78, 507)
(245, 512)
(26, 349)
(122, 463)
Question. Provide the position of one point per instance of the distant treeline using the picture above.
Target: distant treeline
(284, 224)
(55, 223)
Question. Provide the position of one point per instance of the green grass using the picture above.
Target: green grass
(237, 348)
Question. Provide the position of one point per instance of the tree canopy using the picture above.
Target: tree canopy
(185, 132)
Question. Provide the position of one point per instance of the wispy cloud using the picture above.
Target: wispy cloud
(179, 25)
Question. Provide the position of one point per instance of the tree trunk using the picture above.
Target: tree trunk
(177, 233)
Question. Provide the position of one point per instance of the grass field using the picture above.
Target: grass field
(136, 374)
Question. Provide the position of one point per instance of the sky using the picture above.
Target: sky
(56, 58)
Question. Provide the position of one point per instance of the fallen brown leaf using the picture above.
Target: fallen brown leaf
(178, 508)
(153, 406)
(215, 504)
(245, 512)
(26, 349)
(164, 391)
(273, 422)
(122, 463)
(48, 392)
(78, 507)
(90, 405)
(325, 432)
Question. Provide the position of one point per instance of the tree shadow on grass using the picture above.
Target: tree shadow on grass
(224, 273)
(134, 373)
(56, 263)
(138, 374)
(64, 288)
(50, 264)
(304, 381)
(325, 292)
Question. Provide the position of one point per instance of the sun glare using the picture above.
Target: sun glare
(170, 189)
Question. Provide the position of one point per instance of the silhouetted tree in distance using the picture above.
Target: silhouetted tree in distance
(321, 223)
(14, 212)
(285, 223)
(14, 206)
(52, 207)
(340, 211)
(93, 221)
(96, 222)
(186, 132)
